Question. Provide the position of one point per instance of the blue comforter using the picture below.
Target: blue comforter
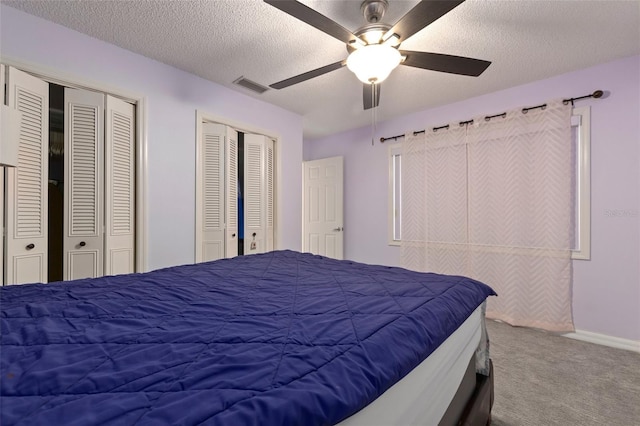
(282, 338)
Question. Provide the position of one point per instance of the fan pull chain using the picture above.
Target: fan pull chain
(373, 112)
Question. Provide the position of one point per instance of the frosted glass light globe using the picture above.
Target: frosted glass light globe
(373, 63)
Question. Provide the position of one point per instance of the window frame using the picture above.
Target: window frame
(393, 210)
(580, 117)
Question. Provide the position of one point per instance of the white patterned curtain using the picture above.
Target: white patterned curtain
(493, 201)
(434, 201)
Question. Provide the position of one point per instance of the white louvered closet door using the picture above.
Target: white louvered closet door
(231, 198)
(119, 252)
(270, 193)
(2, 132)
(258, 194)
(83, 180)
(27, 190)
(210, 187)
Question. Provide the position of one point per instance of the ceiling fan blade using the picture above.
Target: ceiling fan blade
(445, 63)
(308, 75)
(423, 14)
(370, 95)
(313, 18)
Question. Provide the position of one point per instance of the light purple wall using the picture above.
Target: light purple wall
(606, 289)
(172, 99)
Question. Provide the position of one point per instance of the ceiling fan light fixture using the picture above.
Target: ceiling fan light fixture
(373, 36)
(373, 63)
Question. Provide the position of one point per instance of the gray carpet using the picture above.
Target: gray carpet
(544, 379)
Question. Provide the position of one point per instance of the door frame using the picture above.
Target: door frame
(203, 116)
(141, 170)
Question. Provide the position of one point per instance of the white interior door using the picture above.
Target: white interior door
(27, 184)
(119, 246)
(83, 180)
(323, 205)
(210, 189)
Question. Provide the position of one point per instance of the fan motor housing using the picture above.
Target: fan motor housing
(370, 34)
(374, 10)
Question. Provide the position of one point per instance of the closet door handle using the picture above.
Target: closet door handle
(233, 235)
(82, 244)
(30, 246)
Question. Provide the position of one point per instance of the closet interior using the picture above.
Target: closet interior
(56, 183)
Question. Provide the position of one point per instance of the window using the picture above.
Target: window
(394, 194)
(580, 130)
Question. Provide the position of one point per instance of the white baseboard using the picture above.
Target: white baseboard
(603, 339)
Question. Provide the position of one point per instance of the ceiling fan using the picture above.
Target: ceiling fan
(374, 49)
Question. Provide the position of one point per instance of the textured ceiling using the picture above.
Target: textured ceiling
(221, 40)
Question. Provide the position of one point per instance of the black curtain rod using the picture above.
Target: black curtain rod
(597, 94)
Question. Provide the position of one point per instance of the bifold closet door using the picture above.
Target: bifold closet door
(231, 193)
(83, 180)
(270, 192)
(2, 133)
(119, 252)
(217, 193)
(258, 194)
(26, 184)
(210, 188)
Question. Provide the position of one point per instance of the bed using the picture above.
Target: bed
(281, 338)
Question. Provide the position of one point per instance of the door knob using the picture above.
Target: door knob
(338, 229)
(233, 235)
(30, 246)
(82, 244)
